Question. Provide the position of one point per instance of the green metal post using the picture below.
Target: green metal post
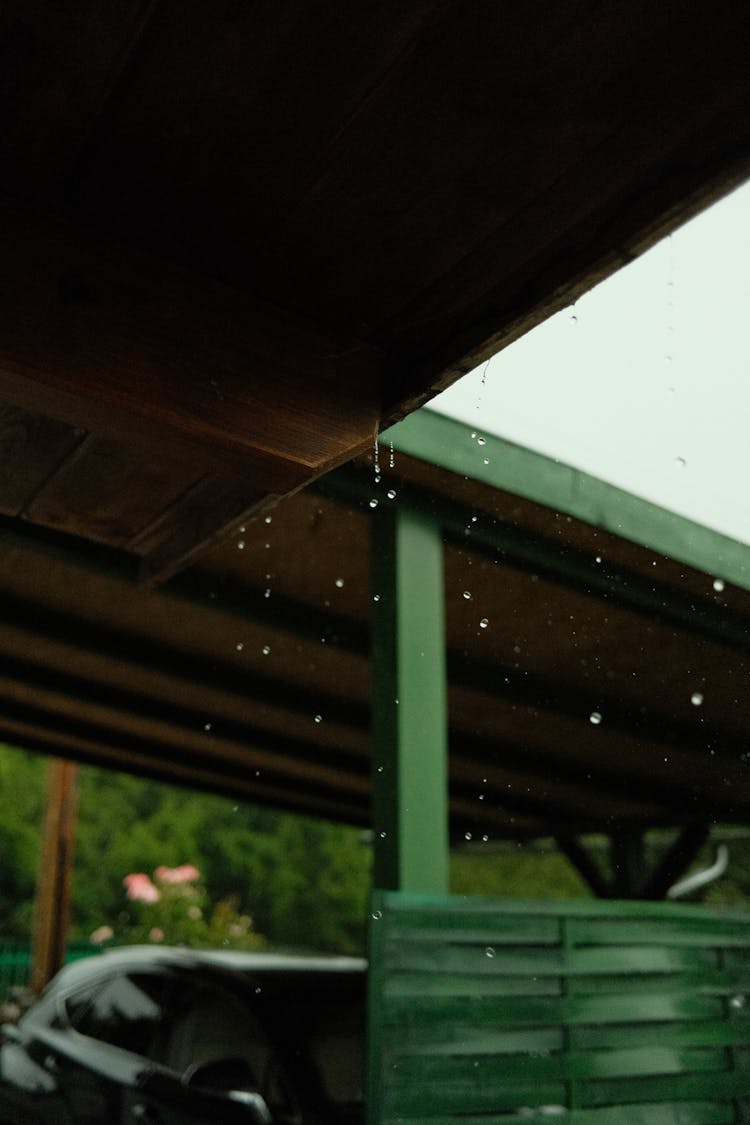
(410, 798)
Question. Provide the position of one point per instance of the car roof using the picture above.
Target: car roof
(143, 957)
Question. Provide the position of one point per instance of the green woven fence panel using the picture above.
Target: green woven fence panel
(595, 1013)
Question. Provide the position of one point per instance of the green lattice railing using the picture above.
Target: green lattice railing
(613, 1013)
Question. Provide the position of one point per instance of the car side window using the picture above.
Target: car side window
(124, 1010)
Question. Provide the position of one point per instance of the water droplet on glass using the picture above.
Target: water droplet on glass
(339, 583)
(266, 649)
(481, 441)
(718, 585)
(467, 595)
(489, 951)
(696, 698)
(373, 503)
(241, 545)
(483, 623)
(376, 915)
(595, 718)
(318, 718)
(239, 646)
(391, 493)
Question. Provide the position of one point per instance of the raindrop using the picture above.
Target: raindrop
(481, 441)
(266, 649)
(318, 718)
(473, 433)
(467, 595)
(485, 839)
(243, 529)
(241, 545)
(485, 461)
(467, 835)
(598, 558)
(380, 769)
(377, 478)
(267, 546)
(489, 951)
(718, 585)
(737, 1002)
(483, 623)
(376, 597)
(268, 519)
(235, 808)
(239, 646)
(339, 583)
(206, 726)
(391, 494)
(376, 915)
(680, 462)
(595, 718)
(373, 503)
(266, 593)
(573, 318)
(383, 835)
(696, 698)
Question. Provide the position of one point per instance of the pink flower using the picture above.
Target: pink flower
(176, 875)
(156, 934)
(102, 934)
(139, 888)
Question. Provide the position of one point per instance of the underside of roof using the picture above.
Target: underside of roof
(238, 238)
(594, 684)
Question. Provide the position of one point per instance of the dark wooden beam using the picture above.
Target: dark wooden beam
(52, 906)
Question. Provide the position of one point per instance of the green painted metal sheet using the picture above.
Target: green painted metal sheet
(601, 1013)
(442, 441)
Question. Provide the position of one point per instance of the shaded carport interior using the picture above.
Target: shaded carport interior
(239, 241)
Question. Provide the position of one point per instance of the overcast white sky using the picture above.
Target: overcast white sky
(646, 381)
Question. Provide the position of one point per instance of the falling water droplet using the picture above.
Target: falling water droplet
(391, 493)
(696, 698)
(266, 649)
(481, 441)
(467, 595)
(489, 951)
(206, 726)
(376, 597)
(680, 462)
(241, 545)
(266, 593)
(376, 915)
(485, 460)
(239, 646)
(339, 583)
(718, 585)
(383, 835)
(467, 835)
(318, 719)
(268, 519)
(373, 503)
(595, 718)
(483, 623)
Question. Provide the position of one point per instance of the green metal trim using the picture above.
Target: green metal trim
(409, 714)
(432, 437)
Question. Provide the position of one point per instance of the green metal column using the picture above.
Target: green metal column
(410, 797)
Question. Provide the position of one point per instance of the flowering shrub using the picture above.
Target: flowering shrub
(174, 907)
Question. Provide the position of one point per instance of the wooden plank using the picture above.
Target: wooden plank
(100, 337)
(31, 448)
(108, 492)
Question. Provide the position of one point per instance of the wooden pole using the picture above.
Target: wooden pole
(52, 908)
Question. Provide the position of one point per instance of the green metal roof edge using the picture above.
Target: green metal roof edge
(452, 445)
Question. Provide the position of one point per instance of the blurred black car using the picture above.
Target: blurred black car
(158, 1036)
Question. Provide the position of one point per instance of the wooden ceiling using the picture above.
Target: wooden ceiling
(236, 238)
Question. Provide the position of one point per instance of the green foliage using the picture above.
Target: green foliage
(515, 871)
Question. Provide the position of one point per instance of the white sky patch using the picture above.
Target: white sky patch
(645, 382)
